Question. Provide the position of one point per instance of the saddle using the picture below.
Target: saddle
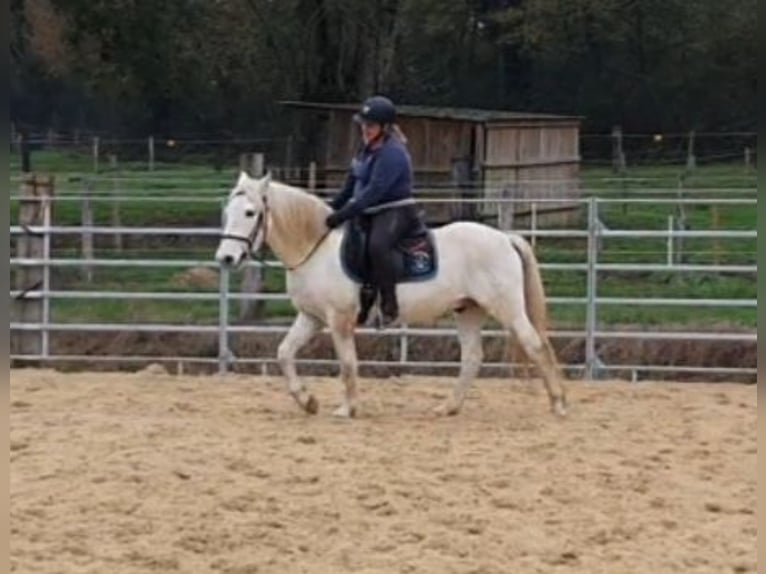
(415, 255)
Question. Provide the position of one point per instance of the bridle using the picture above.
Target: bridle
(262, 222)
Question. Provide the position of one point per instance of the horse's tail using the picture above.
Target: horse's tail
(534, 299)
(534, 293)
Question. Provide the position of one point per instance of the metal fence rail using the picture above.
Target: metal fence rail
(591, 333)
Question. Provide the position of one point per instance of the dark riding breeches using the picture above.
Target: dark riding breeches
(387, 228)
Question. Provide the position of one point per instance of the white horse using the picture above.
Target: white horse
(482, 271)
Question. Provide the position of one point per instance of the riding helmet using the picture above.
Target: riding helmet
(377, 109)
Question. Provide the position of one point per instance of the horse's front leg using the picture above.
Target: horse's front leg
(342, 332)
(302, 330)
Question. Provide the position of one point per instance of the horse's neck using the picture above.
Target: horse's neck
(296, 224)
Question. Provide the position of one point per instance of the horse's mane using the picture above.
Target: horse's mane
(296, 215)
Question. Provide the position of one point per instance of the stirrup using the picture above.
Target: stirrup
(384, 320)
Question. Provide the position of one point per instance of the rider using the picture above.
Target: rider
(379, 186)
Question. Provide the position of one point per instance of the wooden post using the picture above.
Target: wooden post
(96, 144)
(150, 145)
(256, 164)
(36, 194)
(506, 211)
(748, 158)
(116, 220)
(87, 236)
(312, 182)
(618, 155)
(26, 159)
(691, 160)
(252, 277)
(289, 155)
(462, 178)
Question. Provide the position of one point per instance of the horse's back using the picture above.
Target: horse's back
(475, 234)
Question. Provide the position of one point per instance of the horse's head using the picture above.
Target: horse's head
(244, 221)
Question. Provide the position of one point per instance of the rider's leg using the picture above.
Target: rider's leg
(388, 227)
(368, 292)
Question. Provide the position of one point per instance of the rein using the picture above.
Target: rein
(310, 253)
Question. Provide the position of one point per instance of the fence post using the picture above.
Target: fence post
(116, 220)
(312, 176)
(36, 192)
(224, 354)
(591, 295)
(257, 163)
(403, 346)
(95, 151)
(86, 215)
(150, 145)
(618, 155)
(47, 221)
(691, 160)
(715, 215)
(289, 156)
(26, 154)
(506, 210)
(748, 158)
(680, 220)
(670, 242)
(533, 224)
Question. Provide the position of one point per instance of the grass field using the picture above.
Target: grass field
(74, 172)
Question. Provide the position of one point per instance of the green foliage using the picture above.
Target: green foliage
(182, 66)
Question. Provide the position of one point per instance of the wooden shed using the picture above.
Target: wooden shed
(470, 152)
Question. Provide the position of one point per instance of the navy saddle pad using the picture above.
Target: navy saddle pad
(415, 255)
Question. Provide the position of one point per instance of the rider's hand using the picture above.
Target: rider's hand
(334, 220)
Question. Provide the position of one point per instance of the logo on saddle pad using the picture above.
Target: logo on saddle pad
(417, 258)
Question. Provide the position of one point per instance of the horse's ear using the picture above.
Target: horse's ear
(243, 179)
(267, 178)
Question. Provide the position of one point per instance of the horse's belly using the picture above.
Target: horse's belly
(427, 301)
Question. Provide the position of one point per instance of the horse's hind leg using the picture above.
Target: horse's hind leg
(302, 330)
(539, 351)
(469, 321)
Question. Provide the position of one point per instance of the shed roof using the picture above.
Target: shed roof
(433, 112)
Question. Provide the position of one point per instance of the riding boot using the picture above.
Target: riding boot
(389, 306)
(367, 295)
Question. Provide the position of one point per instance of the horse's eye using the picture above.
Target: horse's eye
(250, 213)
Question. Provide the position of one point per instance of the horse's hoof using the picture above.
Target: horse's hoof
(447, 409)
(344, 412)
(559, 407)
(312, 405)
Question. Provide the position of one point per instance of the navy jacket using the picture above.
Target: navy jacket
(377, 176)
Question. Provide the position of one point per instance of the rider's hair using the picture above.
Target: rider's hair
(394, 129)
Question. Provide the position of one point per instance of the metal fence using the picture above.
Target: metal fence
(594, 233)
